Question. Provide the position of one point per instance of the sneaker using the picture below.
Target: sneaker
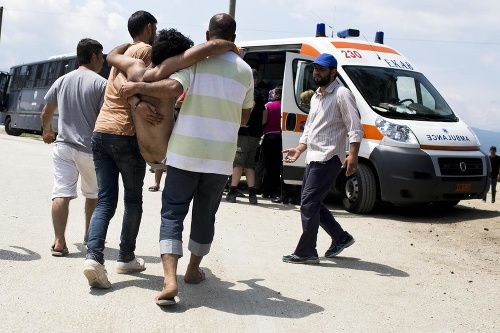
(231, 197)
(335, 249)
(252, 199)
(133, 266)
(96, 274)
(295, 259)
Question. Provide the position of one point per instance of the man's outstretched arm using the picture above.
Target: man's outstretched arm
(188, 58)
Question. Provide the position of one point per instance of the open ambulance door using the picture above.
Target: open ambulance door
(296, 80)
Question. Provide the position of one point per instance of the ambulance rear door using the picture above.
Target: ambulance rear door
(297, 79)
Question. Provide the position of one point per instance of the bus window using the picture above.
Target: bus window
(30, 83)
(23, 75)
(53, 72)
(42, 76)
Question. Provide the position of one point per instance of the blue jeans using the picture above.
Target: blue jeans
(318, 179)
(181, 186)
(115, 155)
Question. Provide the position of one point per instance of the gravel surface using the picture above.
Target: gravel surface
(410, 270)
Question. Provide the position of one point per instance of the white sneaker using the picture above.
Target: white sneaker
(133, 266)
(96, 274)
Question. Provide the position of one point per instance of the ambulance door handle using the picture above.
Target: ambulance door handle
(291, 121)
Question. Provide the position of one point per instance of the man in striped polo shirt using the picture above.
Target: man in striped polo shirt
(201, 150)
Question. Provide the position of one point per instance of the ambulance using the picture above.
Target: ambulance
(415, 149)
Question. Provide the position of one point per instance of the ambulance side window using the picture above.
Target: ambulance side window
(304, 86)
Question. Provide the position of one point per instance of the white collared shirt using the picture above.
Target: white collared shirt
(333, 118)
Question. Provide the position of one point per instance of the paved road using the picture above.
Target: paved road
(418, 271)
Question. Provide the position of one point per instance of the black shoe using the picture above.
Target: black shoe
(295, 259)
(231, 197)
(335, 249)
(283, 200)
(252, 199)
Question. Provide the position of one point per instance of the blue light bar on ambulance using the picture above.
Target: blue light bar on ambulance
(348, 33)
(320, 30)
(379, 37)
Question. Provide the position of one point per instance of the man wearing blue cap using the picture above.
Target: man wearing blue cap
(333, 117)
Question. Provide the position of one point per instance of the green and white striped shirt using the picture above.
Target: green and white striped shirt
(205, 134)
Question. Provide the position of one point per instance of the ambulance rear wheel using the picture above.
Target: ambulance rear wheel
(359, 191)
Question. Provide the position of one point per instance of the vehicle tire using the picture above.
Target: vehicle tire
(9, 130)
(446, 204)
(359, 191)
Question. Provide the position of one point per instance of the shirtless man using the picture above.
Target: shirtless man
(171, 52)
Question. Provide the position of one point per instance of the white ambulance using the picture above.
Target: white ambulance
(415, 149)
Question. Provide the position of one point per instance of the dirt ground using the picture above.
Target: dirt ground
(410, 270)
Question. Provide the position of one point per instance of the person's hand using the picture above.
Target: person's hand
(148, 113)
(350, 164)
(292, 155)
(48, 136)
(128, 89)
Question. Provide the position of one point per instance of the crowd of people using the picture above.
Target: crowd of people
(111, 130)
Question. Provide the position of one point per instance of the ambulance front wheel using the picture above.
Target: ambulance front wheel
(359, 191)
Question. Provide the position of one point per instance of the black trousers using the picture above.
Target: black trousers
(318, 179)
(273, 161)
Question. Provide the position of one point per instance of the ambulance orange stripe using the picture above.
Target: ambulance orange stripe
(457, 148)
(365, 47)
(309, 50)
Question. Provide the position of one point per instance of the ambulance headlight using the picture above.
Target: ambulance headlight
(400, 133)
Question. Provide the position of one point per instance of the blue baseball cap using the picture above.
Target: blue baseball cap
(326, 60)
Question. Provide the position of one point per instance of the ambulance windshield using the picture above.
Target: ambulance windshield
(401, 94)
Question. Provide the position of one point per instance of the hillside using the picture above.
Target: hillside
(487, 139)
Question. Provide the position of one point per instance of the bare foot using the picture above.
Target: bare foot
(194, 275)
(169, 291)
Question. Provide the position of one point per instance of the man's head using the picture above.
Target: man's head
(142, 25)
(222, 26)
(89, 53)
(168, 43)
(325, 69)
(493, 150)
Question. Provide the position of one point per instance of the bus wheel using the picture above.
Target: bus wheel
(9, 130)
(359, 191)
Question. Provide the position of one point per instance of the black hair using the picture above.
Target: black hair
(168, 43)
(138, 21)
(85, 49)
(222, 26)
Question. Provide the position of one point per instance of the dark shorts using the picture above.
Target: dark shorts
(246, 151)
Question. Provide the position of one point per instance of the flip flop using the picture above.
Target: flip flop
(200, 278)
(61, 253)
(153, 189)
(168, 301)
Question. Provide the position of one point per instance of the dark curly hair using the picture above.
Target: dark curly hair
(168, 43)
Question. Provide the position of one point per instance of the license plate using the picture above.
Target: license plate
(462, 187)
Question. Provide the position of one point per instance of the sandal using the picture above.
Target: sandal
(61, 253)
(154, 189)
